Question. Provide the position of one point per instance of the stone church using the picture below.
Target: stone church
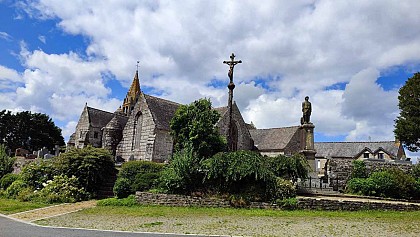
(139, 130)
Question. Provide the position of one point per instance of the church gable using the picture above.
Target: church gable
(138, 134)
(240, 134)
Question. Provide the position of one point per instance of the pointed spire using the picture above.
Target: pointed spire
(132, 94)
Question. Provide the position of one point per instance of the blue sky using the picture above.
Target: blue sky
(351, 59)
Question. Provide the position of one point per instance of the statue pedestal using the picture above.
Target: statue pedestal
(307, 144)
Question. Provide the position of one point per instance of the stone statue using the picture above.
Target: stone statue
(306, 109)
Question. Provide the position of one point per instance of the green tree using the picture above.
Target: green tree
(289, 167)
(195, 124)
(407, 125)
(31, 131)
(6, 162)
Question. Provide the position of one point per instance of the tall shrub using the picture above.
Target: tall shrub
(359, 169)
(90, 165)
(6, 162)
(289, 167)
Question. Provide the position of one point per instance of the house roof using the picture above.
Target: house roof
(273, 138)
(162, 111)
(352, 149)
(98, 118)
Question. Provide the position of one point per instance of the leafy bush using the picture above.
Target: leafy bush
(415, 171)
(38, 172)
(237, 172)
(239, 201)
(288, 203)
(13, 190)
(359, 169)
(126, 202)
(142, 175)
(6, 162)
(283, 189)
(7, 180)
(289, 167)
(182, 175)
(90, 165)
(145, 182)
(122, 188)
(392, 183)
(62, 189)
(361, 186)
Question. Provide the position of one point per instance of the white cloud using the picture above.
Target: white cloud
(5, 36)
(43, 39)
(303, 47)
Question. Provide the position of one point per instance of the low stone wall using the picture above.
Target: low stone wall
(340, 169)
(179, 200)
(308, 203)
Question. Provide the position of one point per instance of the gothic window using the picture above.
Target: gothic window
(234, 137)
(81, 134)
(137, 131)
(95, 135)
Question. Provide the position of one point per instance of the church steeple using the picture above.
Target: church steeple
(132, 94)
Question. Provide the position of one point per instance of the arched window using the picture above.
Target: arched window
(138, 122)
(234, 137)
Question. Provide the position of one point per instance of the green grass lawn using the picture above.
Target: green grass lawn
(164, 211)
(10, 206)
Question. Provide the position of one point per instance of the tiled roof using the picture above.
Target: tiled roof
(162, 111)
(272, 138)
(351, 149)
(99, 118)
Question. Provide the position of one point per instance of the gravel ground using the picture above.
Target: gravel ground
(240, 226)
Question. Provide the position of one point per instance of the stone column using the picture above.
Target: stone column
(307, 145)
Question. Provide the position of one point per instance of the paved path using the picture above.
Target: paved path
(14, 228)
(359, 199)
(46, 212)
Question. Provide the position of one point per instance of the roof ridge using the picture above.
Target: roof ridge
(277, 128)
(169, 101)
(99, 110)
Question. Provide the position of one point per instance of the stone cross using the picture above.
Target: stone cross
(137, 65)
(231, 86)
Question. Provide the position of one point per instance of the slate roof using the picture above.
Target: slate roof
(162, 111)
(117, 122)
(351, 149)
(221, 110)
(272, 138)
(99, 118)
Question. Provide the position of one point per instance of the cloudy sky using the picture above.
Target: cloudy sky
(349, 57)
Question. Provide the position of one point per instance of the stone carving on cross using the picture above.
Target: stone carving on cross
(231, 64)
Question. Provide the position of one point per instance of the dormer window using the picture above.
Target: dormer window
(380, 155)
(365, 155)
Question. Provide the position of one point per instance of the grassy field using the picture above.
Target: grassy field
(10, 206)
(249, 222)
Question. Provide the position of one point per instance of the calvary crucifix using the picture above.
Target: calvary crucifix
(231, 144)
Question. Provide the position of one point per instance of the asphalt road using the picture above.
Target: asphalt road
(13, 228)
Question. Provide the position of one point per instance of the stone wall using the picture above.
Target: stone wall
(340, 169)
(303, 203)
(130, 145)
(245, 141)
